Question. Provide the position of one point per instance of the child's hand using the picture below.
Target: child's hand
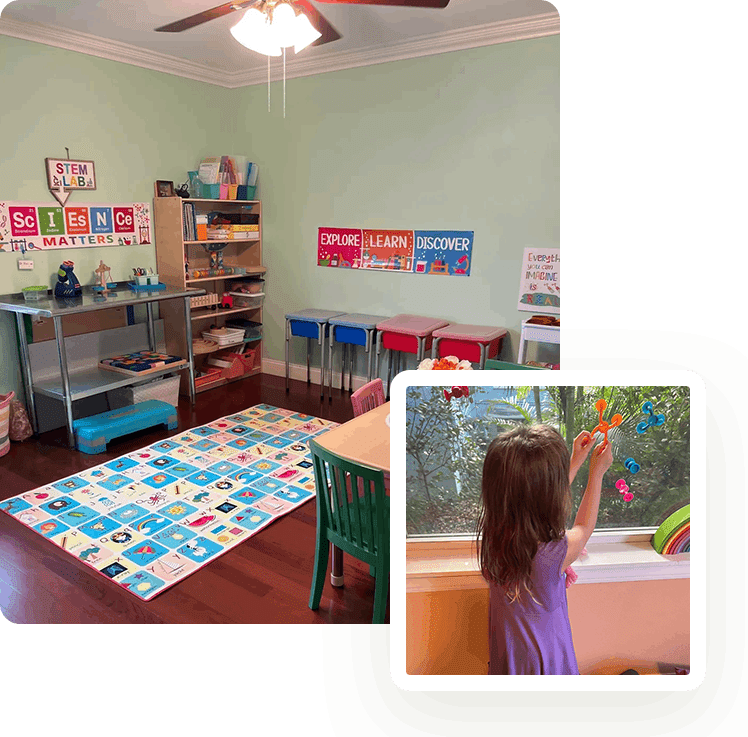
(580, 450)
(601, 459)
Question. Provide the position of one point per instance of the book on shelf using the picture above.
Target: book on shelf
(252, 172)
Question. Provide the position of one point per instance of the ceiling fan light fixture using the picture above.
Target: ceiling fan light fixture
(306, 33)
(283, 26)
(253, 32)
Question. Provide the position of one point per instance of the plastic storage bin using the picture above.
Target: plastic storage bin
(252, 330)
(226, 336)
(163, 389)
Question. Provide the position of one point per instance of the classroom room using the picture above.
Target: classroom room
(214, 260)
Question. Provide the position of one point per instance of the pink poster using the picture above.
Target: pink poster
(339, 247)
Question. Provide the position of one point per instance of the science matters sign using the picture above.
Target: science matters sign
(442, 252)
(26, 226)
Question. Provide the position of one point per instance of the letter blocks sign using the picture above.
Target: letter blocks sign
(445, 253)
(32, 227)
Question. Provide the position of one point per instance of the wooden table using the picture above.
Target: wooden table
(366, 440)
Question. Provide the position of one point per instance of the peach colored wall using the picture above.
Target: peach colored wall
(615, 626)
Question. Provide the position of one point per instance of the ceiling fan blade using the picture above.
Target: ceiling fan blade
(319, 22)
(199, 18)
(438, 4)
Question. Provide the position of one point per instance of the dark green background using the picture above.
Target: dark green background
(652, 149)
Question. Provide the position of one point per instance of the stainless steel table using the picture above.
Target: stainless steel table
(94, 380)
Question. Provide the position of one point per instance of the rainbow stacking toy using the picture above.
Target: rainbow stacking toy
(674, 534)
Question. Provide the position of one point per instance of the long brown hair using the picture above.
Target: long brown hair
(525, 501)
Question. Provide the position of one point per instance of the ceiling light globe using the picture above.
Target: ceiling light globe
(284, 25)
(306, 33)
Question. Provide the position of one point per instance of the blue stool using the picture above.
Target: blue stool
(93, 433)
(310, 324)
(352, 330)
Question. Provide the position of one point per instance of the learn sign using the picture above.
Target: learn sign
(70, 174)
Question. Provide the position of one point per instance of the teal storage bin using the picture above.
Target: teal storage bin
(212, 191)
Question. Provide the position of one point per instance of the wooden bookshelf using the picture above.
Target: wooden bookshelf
(172, 249)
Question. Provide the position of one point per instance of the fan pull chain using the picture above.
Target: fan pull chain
(284, 81)
(268, 84)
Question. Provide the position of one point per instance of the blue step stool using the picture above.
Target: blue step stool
(93, 433)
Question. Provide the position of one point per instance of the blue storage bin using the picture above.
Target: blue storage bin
(305, 329)
(345, 334)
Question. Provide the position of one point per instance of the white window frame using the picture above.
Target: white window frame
(448, 563)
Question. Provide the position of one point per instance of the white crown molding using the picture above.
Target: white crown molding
(547, 24)
(105, 48)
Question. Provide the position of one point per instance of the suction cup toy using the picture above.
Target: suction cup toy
(624, 489)
(631, 465)
(653, 420)
(602, 425)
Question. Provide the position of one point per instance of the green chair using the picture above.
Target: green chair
(494, 365)
(357, 523)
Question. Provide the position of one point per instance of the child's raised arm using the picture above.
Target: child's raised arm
(584, 524)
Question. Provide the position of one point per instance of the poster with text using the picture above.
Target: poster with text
(446, 252)
(339, 247)
(388, 250)
(27, 226)
(539, 285)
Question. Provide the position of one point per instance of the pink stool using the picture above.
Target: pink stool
(474, 343)
(405, 334)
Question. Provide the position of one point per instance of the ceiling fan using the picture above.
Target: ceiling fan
(321, 32)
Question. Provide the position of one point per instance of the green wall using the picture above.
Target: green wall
(463, 141)
(136, 125)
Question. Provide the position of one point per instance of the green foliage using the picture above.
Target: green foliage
(446, 444)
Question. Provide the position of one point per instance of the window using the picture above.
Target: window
(446, 442)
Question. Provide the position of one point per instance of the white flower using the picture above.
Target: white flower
(426, 365)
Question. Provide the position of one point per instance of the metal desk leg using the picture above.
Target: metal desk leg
(188, 336)
(151, 328)
(28, 380)
(336, 574)
(66, 399)
(322, 335)
(379, 348)
(421, 349)
(483, 351)
(435, 348)
(342, 367)
(350, 368)
(369, 353)
(521, 354)
(308, 360)
(288, 338)
(331, 340)
(390, 358)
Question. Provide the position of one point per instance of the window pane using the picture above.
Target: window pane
(446, 442)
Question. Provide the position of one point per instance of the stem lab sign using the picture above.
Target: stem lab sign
(70, 174)
(32, 227)
(445, 252)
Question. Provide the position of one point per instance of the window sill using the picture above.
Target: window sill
(451, 565)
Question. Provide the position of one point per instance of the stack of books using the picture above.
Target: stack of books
(233, 232)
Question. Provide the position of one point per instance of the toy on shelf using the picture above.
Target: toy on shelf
(603, 426)
(653, 420)
(104, 274)
(67, 282)
(631, 465)
(624, 489)
(227, 301)
(145, 281)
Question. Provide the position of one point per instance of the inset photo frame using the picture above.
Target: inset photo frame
(634, 600)
(164, 188)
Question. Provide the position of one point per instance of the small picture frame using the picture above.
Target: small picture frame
(164, 188)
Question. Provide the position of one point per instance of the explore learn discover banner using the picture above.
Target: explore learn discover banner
(445, 252)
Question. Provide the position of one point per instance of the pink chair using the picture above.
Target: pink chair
(368, 397)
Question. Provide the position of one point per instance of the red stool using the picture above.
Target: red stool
(405, 334)
(474, 343)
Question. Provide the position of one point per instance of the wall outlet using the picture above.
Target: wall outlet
(25, 264)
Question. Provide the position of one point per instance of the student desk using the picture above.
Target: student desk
(472, 343)
(405, 334)
(94, 380)
(365, 440)
(310, 323)
(537, 333)
(351, 330)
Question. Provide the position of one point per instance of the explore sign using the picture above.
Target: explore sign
(443, 252)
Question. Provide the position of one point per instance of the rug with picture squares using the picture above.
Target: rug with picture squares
(150, 518)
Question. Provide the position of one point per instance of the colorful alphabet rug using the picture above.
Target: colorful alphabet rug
(148, 519)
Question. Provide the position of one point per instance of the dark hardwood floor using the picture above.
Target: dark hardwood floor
(266, 579)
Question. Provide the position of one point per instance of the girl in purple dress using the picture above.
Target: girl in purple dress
(524, 546)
